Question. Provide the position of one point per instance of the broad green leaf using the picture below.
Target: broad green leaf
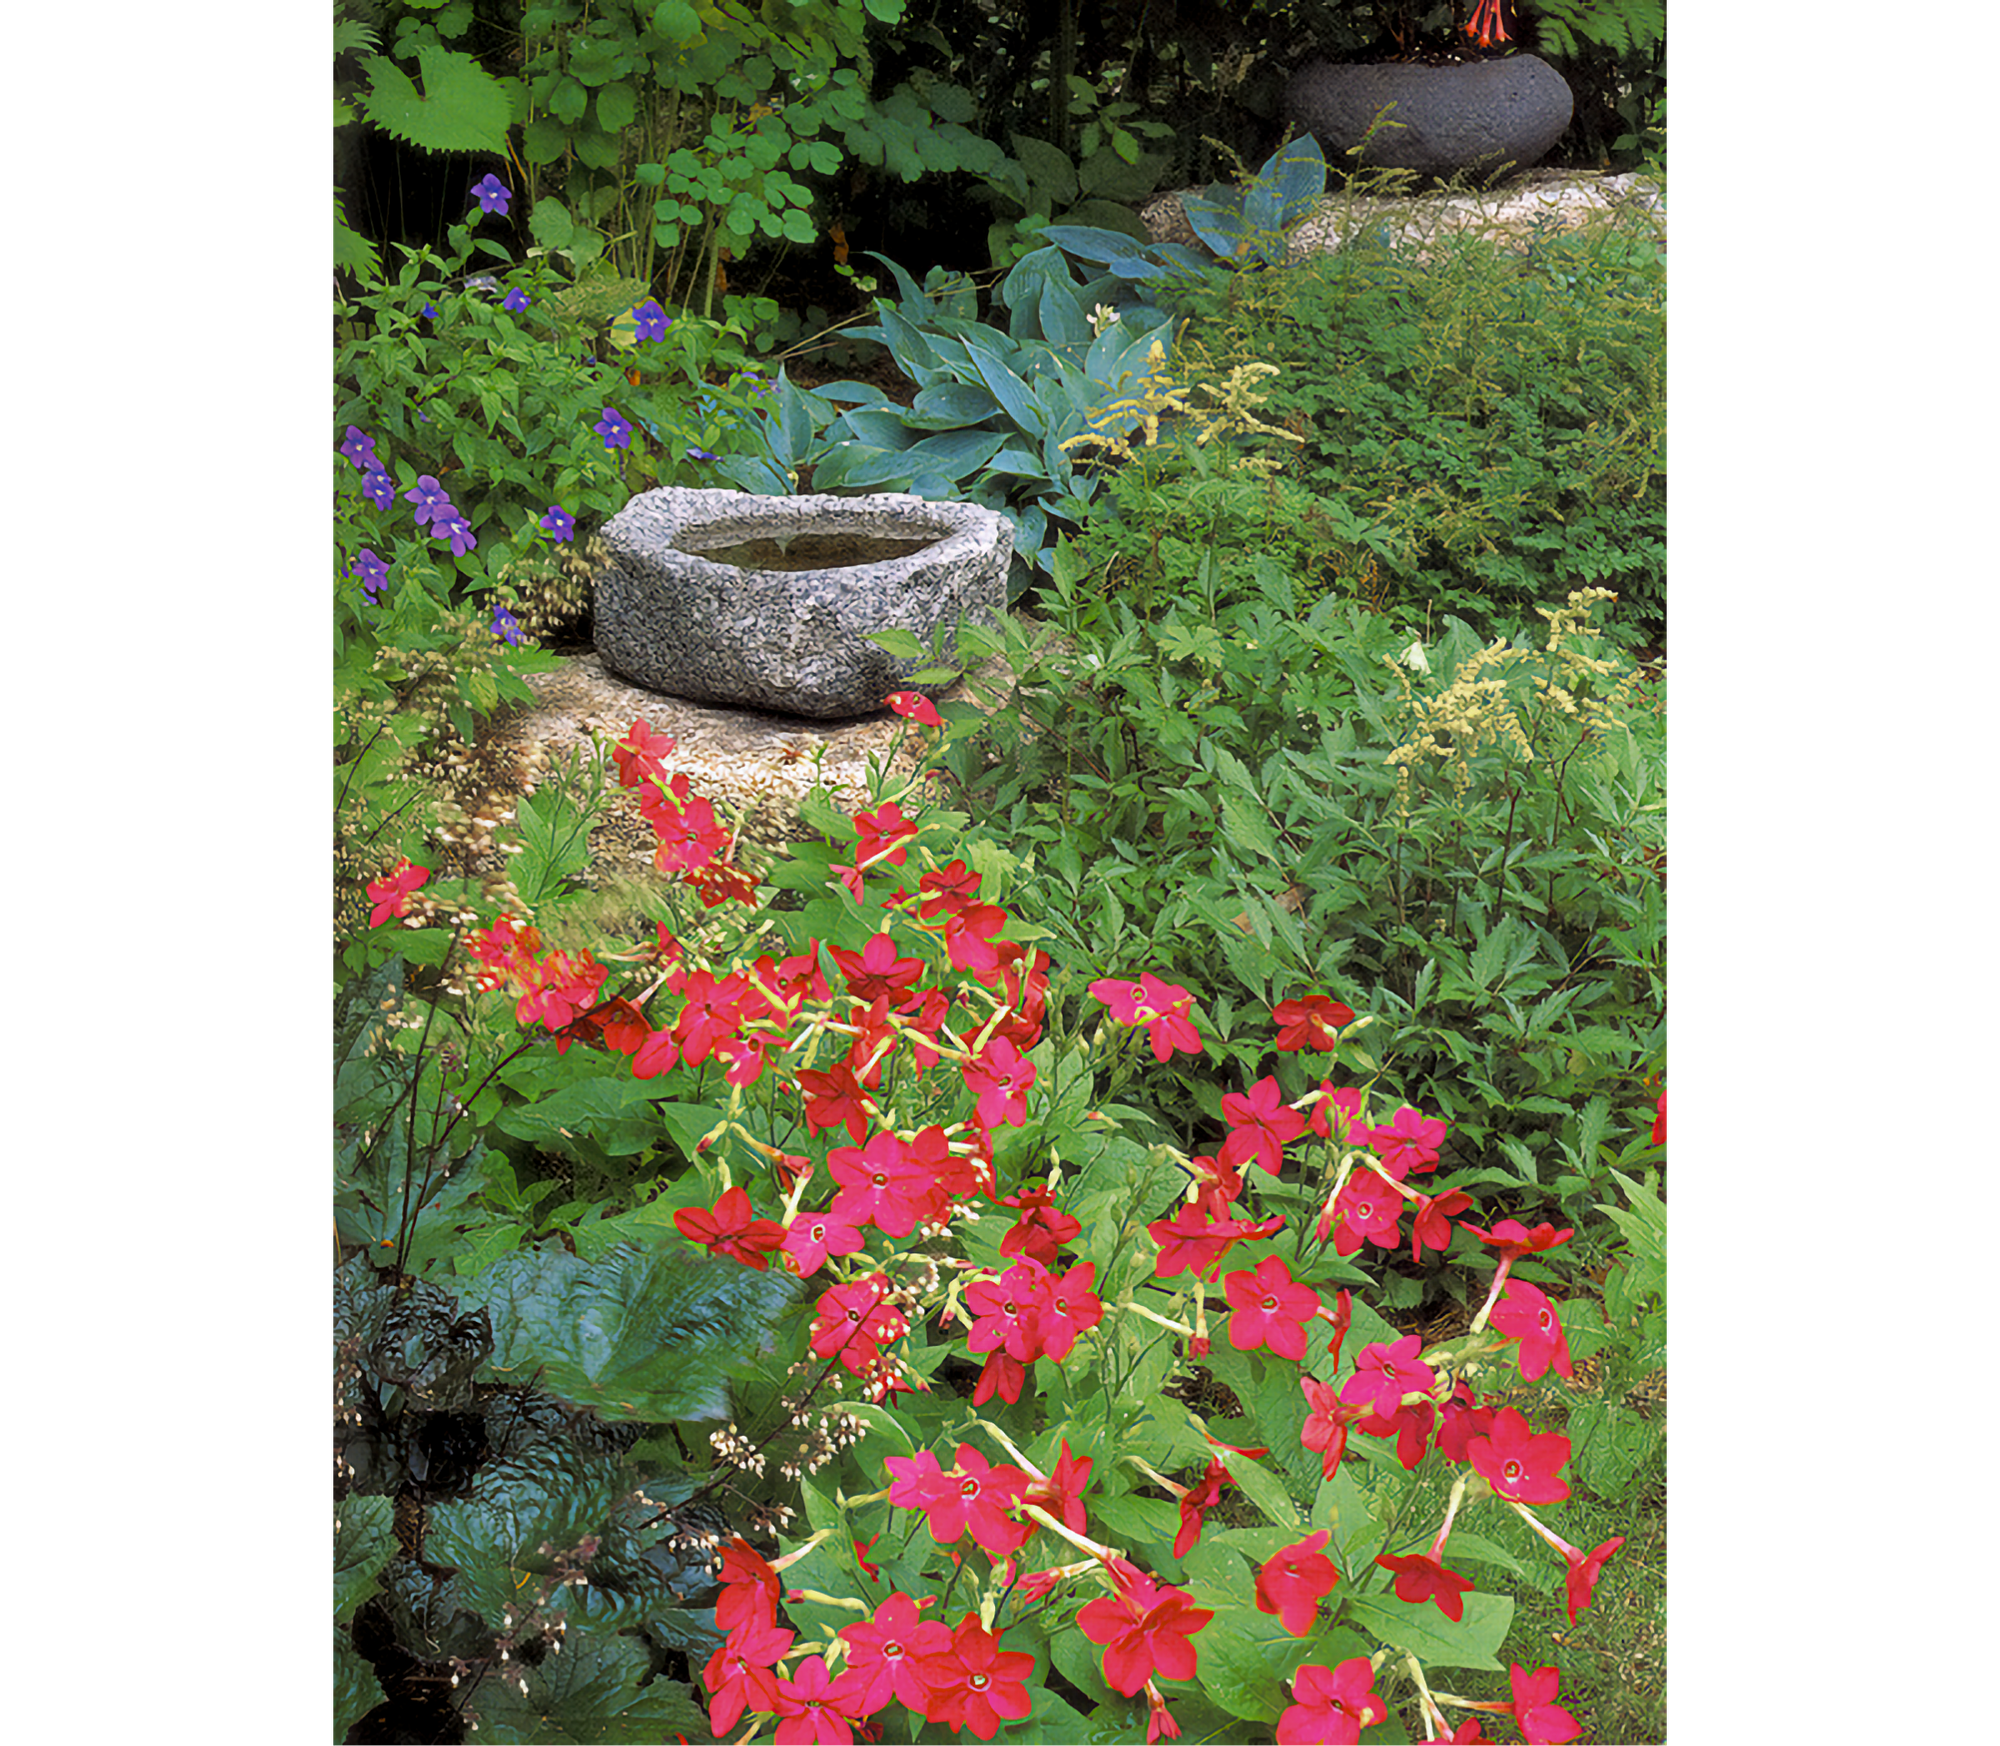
(356, 1690)
(639, 1334)
(462, 107)
(1421, 1629)
(1245, 824)
(1233, 1666)
(364, 1539)
(592, 1691)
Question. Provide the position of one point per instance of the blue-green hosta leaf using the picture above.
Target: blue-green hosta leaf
(953, 405)
(1283, 193)
(996, 371)
(641, 1333)
(953, 454)
(1217, 218)
(879, 428)
(850, 465)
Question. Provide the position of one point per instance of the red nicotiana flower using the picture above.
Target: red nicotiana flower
(1331, 1706)
(1423, 1577)
(1336, 1113)
(972, 1494)
(1260, 1124)
(641, 753)
(739, 1675)
(886, 835)
(1366, 1206)
(1272, 1308)
(969, 941)
(1191, 1242)
(1328, 1423)
(835, 1098)
(916, 706)
(1584, 1569)
(1311, 1022)
(947, 890)
(1008, 1312)
(1061, 1494)
(812, 1237)
(731, 1228)
(1534, 1707)
(1409, 1424)
(1074, 1308)
(854, 1320)
(1000, 1079)
(1432, 1225)
(1513, 1239)
(1462, 1419)
(391, 893)
(1042, 1228)
(1525, 1313)
(886, 1648)
(1203, 1495)
(1145, 1629)
(815, 1708)
(1384, 1373)
(876, 971)
(1162, 1007)
(879, 1185)
(976, 1684)
(1408, 1141)
(1292, 1581)
(1517, 1463)
(690, 837)
(750, 1587)
(1660, 1120)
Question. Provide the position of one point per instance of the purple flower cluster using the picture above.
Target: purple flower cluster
(492, 195)
(434, 505)
(359, 447)
(651, 320)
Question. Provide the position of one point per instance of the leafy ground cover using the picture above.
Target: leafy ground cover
(958, 1279)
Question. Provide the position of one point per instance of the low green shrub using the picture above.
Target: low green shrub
(1486, 430)
(1461, 838)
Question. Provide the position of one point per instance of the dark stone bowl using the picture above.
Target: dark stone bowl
(1486, 119)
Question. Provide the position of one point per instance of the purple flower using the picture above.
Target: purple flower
(515, 300)
(559, 522)
(507, 627)
(379, 489)
(492, 195)
(454, 527)
(695, 454)
(430, 312)
(652, 320)
(359, 447)
(617, 434)
(372, 572)
(430, 498)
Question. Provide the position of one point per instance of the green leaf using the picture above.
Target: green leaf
(364, 1539)
(592, 1691)
(675, 20)
(356, 1690)
(551, 225)
(1245, 824)
(462, 107)
(1423, 1631)
(638, 1334)
(617, 107)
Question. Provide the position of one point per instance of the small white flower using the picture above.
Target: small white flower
(1414, 659)
(1102, 317)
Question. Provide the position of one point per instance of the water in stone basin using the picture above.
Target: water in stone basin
(809, 551)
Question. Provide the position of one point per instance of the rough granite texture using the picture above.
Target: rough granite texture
(1477, 116)
(790, 641)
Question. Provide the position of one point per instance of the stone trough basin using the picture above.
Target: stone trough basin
(726, 597)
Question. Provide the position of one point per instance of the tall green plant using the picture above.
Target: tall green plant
(676, 134)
